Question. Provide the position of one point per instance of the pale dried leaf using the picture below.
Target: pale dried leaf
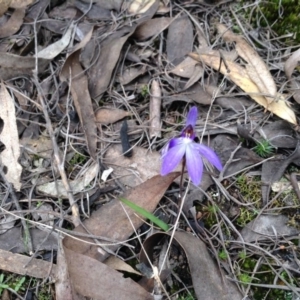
(282, 186)
(110, 115)
(257, 69)
(186, 68)
(10, 138)
(20, 3)
(13, 24)
(240, 77)
(154, 110)
(119, 264)
(289, 67)
(56, 188)
(4, 5)
(56, 48)
(140, 6)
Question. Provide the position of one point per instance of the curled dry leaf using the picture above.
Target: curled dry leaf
(155, 105)
(110, 115)
(289, 67)
(10, 138)
(256, 68)
(239, 76)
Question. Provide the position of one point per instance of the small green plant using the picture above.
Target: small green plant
(246, 216)
(145, 91)
(78, 159)
(223, 254)
(242, 255)
(11, 283)
(263, 148)
(187, 297)
(245, 278)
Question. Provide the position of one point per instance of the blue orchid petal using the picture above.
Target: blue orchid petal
(173, 157)
(191, 118)
(210, 155)
(194, 163)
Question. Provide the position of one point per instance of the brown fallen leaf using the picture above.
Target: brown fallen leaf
(82, 99)
(13, 24)
(208, 283)
(56, 188)
(4, 5)
(14, 263)
(56, 48)
(239, 76)
(10, 138)
(180, 39)
(110, 115)
(12, 65)
(289, 67)
(130, 74)
(92, 278)
(133, 170)
(256, 68)
(120, 265)
(112, 222)
(101, 70)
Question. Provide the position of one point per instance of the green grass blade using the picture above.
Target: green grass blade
(146, 214)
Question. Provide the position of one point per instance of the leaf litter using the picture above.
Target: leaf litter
(91, 93)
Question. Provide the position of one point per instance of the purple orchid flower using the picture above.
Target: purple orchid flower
(184, 146)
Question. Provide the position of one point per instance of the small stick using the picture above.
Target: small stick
(155, 105)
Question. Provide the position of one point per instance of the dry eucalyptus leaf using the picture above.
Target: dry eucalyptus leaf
(56, 48)
(56, 188)
(289, 67)
(12, 65)
(131, 73)
(119, 264)
(20, 3)
(180, 39)
(82, 99)
(186, 68)
(151, 28)
(256, 68)
(140, 6)
(239, 76)
(4, 5)
(112, 222)
(13, 24)
(110, 115)
(10, 138)
(133, 170)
